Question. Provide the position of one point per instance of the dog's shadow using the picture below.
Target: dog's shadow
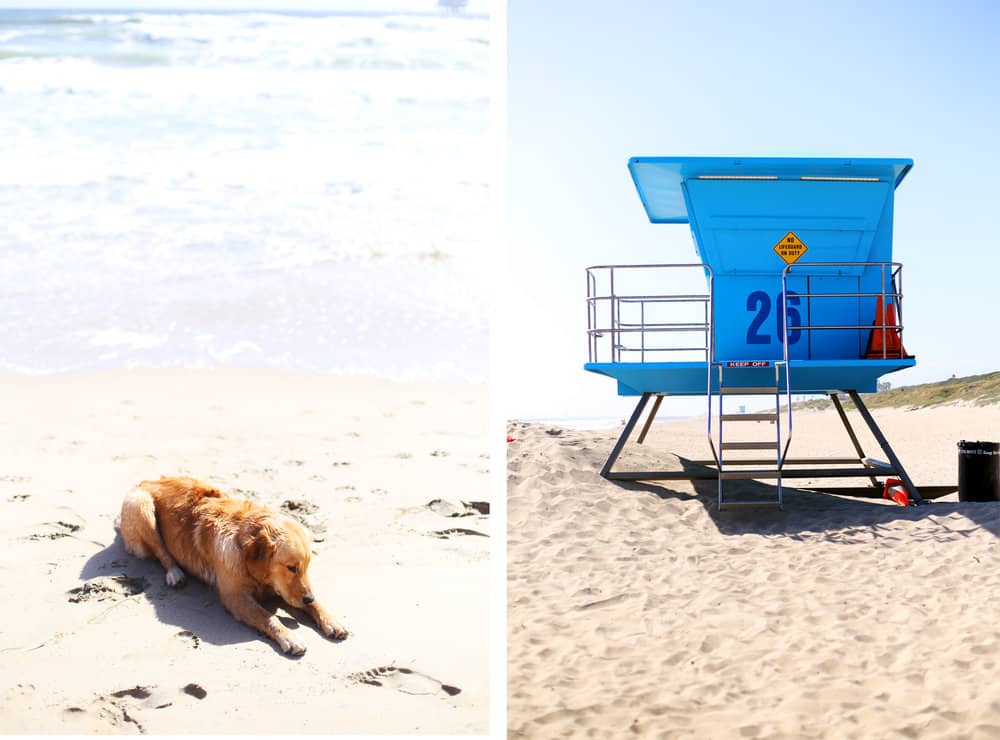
(194, 608)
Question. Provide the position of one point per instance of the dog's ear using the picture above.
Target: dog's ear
(258, 545)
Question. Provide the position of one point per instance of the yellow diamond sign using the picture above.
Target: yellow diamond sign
(790, 248)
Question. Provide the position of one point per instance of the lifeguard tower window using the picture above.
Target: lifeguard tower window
(796, 288)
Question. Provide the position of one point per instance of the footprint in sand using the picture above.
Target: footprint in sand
(137, 692)
(246, 493)
(127, 708)
(58, 530)
(307, 514)
(610, 601)
(113, 588)
(267, 473)
(405, 680)
(116, 711)
(297, 508)
(445, 534)
(187, 638)
(461, 508)
(116, 714)
(68, 524)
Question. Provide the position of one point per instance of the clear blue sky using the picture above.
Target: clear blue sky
(591, 84)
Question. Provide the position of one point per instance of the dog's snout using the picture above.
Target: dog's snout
(308, 599)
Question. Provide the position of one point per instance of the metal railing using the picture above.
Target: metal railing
(622, 325)
(896, 294)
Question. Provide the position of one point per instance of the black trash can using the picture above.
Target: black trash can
(978, 471)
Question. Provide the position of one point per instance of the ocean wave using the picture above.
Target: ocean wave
(194, 187)
(331, 91)
(66, 20)
(256, 39)
(111, 58)
(42, 18)
(121, 338)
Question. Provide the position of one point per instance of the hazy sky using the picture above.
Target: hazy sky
(607, 81)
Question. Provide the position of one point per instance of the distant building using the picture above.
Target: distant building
(884, 385)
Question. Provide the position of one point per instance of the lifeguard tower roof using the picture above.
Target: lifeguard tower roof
(659, 179)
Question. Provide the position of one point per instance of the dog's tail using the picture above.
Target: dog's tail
(118, 516)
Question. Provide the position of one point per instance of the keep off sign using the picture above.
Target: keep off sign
(790, 248)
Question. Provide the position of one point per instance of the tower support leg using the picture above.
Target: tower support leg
(649, 419)
(620, 444)
(884, 444)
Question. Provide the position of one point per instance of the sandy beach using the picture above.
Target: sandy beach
(390, 477)
(639, 609)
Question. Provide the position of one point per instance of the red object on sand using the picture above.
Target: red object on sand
(509, 440)
(896, 491)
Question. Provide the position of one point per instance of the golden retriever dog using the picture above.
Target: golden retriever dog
(243, 549)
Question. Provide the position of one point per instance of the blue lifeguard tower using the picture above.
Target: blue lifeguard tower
(797, 293)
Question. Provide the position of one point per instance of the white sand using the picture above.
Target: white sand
(639, 609)
(368, 455)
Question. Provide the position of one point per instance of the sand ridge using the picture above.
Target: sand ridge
(93, 640)
(639, 609)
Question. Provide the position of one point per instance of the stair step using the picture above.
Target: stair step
(870, 462)
(749, 445)
(753, 504)
(748, 391)
(749, 417)
(749, 474)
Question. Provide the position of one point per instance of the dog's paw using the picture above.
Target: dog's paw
(175, 577)
(290, 646)
(333, 629)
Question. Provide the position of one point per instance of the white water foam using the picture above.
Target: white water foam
(271, 189)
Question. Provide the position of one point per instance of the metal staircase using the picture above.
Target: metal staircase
(735, 467)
